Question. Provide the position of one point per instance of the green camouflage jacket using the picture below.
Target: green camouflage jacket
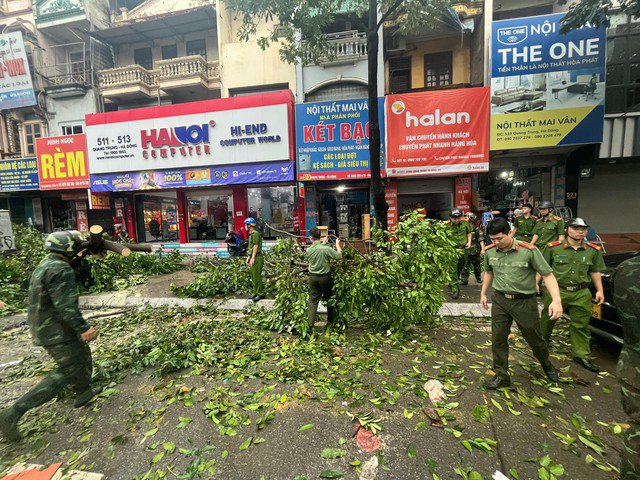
(54, 315)
(626, 295)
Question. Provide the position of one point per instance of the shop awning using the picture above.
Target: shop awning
(159, 26)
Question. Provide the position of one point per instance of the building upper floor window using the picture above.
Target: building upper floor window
(197, 47)
(72, 129)
(169, 51)
(623, 65)
(32, 130)
(143, 57)
(438, 69)
(399, 74)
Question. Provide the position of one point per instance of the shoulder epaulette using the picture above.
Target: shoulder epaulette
(593, 245)
(534, 217)
(527, 245)
(553, 244)
(557, 218)
(540, 219)
(446, 222)
(490, 246)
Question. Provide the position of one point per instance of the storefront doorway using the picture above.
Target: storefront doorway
(273, 207)
(433, 195)
(504, 189)
(210, 214)
(342, 206)
(159, 215)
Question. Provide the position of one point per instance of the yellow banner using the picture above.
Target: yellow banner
(535, 129)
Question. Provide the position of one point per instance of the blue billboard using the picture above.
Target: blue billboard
(332, 139)
(547, 87)
(19, 174)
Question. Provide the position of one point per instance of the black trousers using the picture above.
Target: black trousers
(320, 287)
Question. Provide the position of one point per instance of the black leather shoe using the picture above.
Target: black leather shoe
(496, 382)
(586, 363)
(9, 419)
(478, 279)
(552, 374)
(85, 397)
(257, 298)
(455, 294)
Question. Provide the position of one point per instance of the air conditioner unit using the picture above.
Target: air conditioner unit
(397, 45)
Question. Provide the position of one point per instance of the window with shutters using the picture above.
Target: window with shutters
(143, 57)
(197, 47)
(438, 69)
(399, 74)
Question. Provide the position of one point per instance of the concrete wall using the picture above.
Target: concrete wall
(125, 53)
(70, 111)
(609, 201)
(314, 76)
(245, 64)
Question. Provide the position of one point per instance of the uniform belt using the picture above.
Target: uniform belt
(574, 288)
(515, 296)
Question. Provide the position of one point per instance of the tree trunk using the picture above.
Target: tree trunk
(379, 202)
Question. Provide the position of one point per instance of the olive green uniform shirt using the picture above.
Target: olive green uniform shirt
(524, 227)
(548, 230)
(477, 236)
(572, 267)
(54, 314)
(255, 239)
(514, 271)
(458, 233)
(320, 256)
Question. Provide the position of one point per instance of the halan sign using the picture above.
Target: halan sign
(547, 88)
(213, 132)
(438, 132)
(16, 87)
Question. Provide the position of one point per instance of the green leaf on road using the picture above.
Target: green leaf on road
(246, 444)
(184, 421)
(331, 453)
(481, 413)
(305, 427)
(331, 474)
(411, 452)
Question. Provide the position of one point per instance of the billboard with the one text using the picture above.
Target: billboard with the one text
(547, 87)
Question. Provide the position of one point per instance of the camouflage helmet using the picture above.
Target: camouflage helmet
(65, 241)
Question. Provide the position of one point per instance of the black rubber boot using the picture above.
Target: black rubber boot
(587, 364)
(496, 382)
(85, 396)
(9, 419)
(552, 374)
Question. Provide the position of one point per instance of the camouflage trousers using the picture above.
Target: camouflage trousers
(75, 368)
(628, 368)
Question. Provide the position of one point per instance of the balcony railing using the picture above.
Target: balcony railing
(350, 46)
(166, 71)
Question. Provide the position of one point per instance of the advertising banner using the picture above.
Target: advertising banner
(463, 193)
(438, 132)
(19, 174)
(156, 179)
(391, 196)
(229, 131)
(62, 162)
(82, 217)
(16, 88)
(100, 201)
(333, 139)
(547, 88)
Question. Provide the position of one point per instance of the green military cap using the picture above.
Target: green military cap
(65, 241)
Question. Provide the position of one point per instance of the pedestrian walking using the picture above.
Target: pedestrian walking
(460, 236)
(55, 323)
(626, 296)
(511, 266)
(548, 227)
(255, 260)
(475, 252)
(524, 223)
(576, 265)
(320, 279)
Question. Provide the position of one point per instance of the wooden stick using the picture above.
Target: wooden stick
(116, 247)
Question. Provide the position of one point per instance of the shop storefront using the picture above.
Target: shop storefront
(193, 172)
(333, 164)
(438, 142)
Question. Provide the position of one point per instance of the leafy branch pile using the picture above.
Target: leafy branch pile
(398, 283)
(219, 277)
(95, 274)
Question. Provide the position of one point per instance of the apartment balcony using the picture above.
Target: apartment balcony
(134, 81)
(346, 47)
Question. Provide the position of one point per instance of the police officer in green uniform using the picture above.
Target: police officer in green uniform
(576, 264)
(511, 266)
(255, 259)
(56, 324)
(525, 223)
(460, 236)
(475, 251)
(626, 296)
(548, 228)
(320, 280)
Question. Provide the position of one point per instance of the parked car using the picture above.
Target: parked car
(605, 321)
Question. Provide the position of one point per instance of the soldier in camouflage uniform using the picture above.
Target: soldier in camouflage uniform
(626, 295)
(56, 324)
(460, 236)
